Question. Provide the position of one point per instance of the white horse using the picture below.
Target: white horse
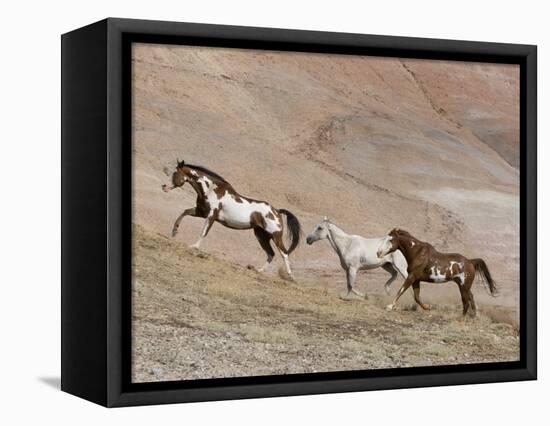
(356, 253)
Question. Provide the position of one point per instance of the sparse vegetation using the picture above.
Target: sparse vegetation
(197, 316)
(370, 142)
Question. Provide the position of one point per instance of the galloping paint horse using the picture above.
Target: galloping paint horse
(217, 201)
(427, 264)
(356, 253)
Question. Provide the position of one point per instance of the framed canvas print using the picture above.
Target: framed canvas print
(254, 212)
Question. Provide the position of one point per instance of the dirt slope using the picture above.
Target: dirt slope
(373, 143)
(196, 316)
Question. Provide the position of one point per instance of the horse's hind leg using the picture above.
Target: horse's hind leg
(388, 267)
(468, 288)
(278, 240)
(416, 290)
(465, 301)
(472, 303)
(188, 212)
(466, 295)
(263, 238)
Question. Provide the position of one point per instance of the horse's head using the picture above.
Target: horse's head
(320, 231)
(389, 244)
(178, 177)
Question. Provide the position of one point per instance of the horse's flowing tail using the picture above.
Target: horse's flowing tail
(294, 228)
(483, 272)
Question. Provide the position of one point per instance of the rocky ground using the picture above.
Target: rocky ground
(196, 316)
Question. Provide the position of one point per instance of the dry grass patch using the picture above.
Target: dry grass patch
(197, 316)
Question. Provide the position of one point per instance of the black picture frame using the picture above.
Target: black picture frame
(96, 230)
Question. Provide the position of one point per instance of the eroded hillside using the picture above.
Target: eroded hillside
(371, 142)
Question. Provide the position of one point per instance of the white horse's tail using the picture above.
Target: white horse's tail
(400, 263)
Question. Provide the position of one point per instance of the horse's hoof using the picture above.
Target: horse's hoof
(351, 296)
(426, 307)
(389, 307)
(283, 273)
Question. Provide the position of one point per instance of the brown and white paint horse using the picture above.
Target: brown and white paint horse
(425, 263)
(217, 201)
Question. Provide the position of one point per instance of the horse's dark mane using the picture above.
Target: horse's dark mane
(407, 234)
(204, 170)
(403, 232)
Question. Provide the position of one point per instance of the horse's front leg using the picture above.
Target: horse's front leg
(408, 282)
(416, 290)
(188, 212)
(351, 274)
(206, 227)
